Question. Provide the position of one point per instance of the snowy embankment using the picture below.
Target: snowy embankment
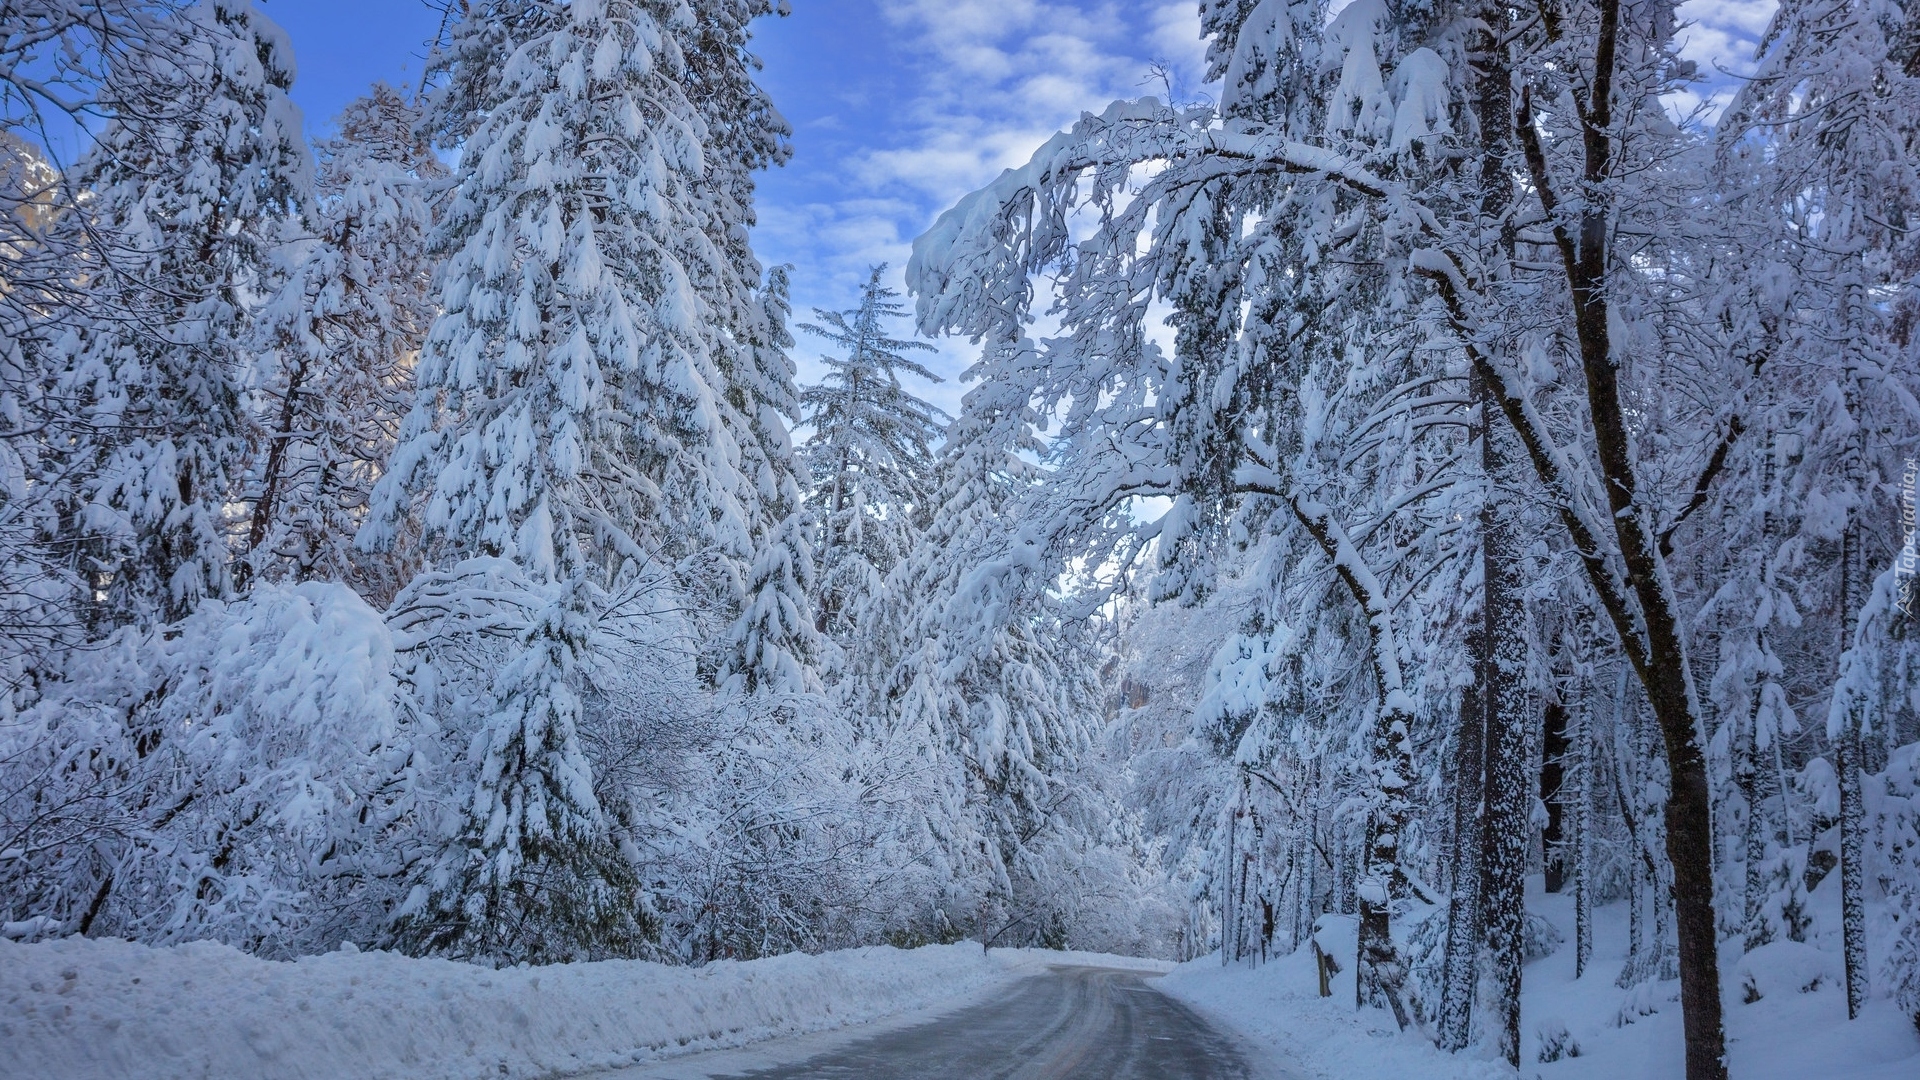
(1278, 1011)
(103, 1010)
(1786, 1016)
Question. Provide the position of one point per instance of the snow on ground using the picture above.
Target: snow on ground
(1788, 1033)
(103, 1010)
(1277, 1009)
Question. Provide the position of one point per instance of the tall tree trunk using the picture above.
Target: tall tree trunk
(1627, 785)
(1746, 773)
(1340, 896)
(1491, 795)
(1302, 881)
(1310, 850)
(1460, 972)
(1637, 593)
(1226, 894)
(1847, 752)
(1746, 749)
(1508, 831)
(1553, 793)
(1630, 972)
(1579, 802)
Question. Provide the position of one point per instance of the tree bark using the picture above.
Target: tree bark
(1847, 752)
(1746, 775)
(1579, 799)
(1460, 975)
(1553, 794)
(1509, 758)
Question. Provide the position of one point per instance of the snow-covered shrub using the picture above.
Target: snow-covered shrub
(1779, 968)
(247, 775)
(1556, 1042)
(1539, 938)
(1642, 1000)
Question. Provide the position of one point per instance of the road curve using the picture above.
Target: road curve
(1073, 1023)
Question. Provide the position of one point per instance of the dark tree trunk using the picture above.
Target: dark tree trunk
(1847, 762)
(1507, 832)
(1226, 895)
(1637, 592)
(1746, 776)
(1579, 806)
(261, 525)
(1460, 975)
(1553, 792)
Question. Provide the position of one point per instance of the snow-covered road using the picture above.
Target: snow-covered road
(1069, 1022)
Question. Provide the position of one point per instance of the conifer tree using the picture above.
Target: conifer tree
(1836, 95)
(571, 419)
(534, 873)
(201, 158)
(870, 452)
(338, 346)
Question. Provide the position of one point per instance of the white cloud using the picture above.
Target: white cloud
(1723, 33)
(987, 82)
(1720, 37)
(996, 77)
(1176, 39)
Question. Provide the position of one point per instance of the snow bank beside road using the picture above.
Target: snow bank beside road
(1786, 1014)
(103, 1010)
(1278, 1009)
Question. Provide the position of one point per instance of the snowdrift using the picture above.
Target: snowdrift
(1786, 1015)
(79, 1009)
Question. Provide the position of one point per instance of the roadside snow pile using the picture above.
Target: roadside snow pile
(103, 1009)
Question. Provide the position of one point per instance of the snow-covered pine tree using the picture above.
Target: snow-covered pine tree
(745, 133)
(773, 641)
(200, 159)
(1834, 104)
(774, 644)
(40, 593)
(534, 873)
(562, 392)
(634, 295)
(982, 672)
(337, 347)
(571, 417)
(870, 451)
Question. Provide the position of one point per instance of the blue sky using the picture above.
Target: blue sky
(899, 107)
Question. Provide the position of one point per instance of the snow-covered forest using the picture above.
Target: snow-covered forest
(1428, 458)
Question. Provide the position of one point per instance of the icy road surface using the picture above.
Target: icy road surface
(1081, 1023)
